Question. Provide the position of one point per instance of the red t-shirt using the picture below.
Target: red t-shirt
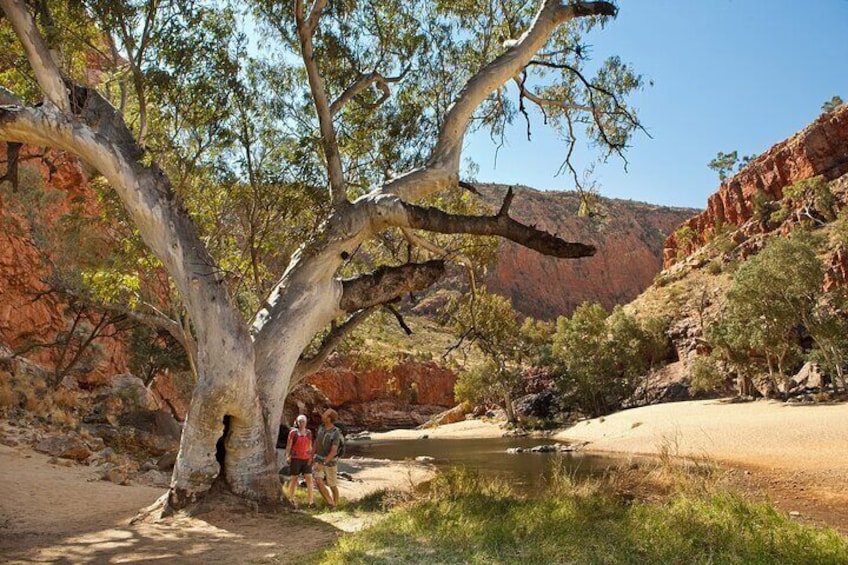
(300, 444)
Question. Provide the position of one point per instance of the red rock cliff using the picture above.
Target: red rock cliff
(819, 149)
(628, 235)
(25, 313)
(411, 382)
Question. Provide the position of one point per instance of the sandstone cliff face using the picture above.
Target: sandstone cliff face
(819, 149)
(403, 396)
(25, 313)
(628, 236)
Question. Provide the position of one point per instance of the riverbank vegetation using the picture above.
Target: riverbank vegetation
(639, 516)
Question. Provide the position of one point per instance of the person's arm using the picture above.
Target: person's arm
(289, 447)
(334, 447)
(332, 455)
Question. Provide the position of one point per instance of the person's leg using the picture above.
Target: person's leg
(333, 482)
(322, 488)
(292, 487)
(309, 488)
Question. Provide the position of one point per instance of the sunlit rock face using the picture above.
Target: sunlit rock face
(405, 395)
(819, 149)
(628, 236)
(55, 183)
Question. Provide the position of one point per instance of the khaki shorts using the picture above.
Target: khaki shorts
(329, 475)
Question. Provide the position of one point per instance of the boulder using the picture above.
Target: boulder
(809, 377)
(65, 446)
(141, 432)
(541, 405)
(455, 414)
(132, 392)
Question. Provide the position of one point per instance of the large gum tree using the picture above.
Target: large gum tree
(373, 99)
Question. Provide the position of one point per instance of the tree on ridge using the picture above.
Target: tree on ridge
(351, 57)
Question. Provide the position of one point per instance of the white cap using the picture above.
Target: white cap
(300, 418)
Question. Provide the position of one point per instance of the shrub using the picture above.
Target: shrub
(706, 375)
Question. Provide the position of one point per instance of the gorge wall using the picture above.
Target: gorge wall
(30, 315)
(628, 236)
(819, 149)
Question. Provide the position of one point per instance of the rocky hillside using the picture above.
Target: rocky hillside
(748, 209)
(628, 235)
(820, 149)
(30, 315)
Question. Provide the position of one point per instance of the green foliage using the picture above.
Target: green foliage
(685, 234)
(152, 353)
(832, 104)
(600, 356)
(493, 326)
(773, 294)
(706, 374)
(466, 520)
(725, 163)
(481, 384)
(763, 206)
(814, 197)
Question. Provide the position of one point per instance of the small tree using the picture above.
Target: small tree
(600, 356)
(832, 104)
(725, 163)
(492, 325)
(773, 295)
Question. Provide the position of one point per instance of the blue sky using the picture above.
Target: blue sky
(728, 75)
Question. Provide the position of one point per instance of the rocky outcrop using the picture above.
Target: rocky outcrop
(821, 149)
(29, 314)
(628, 235)
(412, 382)
(403, 396)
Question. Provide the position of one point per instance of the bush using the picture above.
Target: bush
(706, 374)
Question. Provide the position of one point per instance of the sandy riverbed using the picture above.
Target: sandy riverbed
(795, 455)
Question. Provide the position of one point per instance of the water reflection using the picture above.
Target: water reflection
(527, 472)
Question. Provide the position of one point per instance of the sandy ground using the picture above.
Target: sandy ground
(766, 434)
(50, 513)
(459, 430)
(796, 456)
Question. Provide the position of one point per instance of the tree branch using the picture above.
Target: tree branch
(9, 98)
(46, 71)
(397, 213)
(308, 366)
(13, 151)
(442, 168)
(399, 317)
(361, 84)
(305, 29)
(541, 102)
(388, 283)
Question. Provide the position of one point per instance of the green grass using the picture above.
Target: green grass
(463, 521)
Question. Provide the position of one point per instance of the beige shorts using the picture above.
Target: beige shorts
(329, 475)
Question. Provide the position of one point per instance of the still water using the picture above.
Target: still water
(527, 472)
